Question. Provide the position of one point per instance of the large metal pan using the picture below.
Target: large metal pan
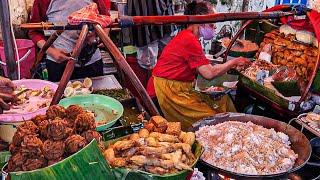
(299, 143)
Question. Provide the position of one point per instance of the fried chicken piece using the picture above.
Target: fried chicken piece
(130, 152)
(90, 135)
(123, 145)
(164, 137)
(75, 143)
(31, 146)
(16, 161)
(35, 163)
(53, 161)
(57, 129)
(119, 162)
(84, 122)
(143, 160)
(56, 111)
(73, 111)
(152, 142)
(149, 126)
(155, 151)
(38, 119)
(53, 149)
(143, 133)
(186, 148)
(109, 155)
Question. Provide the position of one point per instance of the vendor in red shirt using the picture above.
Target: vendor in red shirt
(181, 60)
(57, 11)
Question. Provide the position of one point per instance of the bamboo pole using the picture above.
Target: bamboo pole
(127, 69)
(44, 48)
(8, 40)
(70, 66)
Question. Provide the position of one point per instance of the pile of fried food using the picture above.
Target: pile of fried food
(313, 120)
(30, 100)
(258, 65)
(47, 139)
(246, 148)
(159, 148)
(287, 51)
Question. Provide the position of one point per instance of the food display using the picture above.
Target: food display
(241, 45)
(159, 148)
(78, 88)
(246, 148)
(310, 121)
(30, 100)
(47, 139)
(294, 49)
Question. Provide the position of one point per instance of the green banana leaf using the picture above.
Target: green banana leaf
(128, 174)
(88, 163)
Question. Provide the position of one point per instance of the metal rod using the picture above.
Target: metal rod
(44, 48)
(70, 65)
(8, 39)
(127, 69)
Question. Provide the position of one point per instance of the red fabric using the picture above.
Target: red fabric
(39, 14)
(180, 58)
(150, 88)
(89, 14)
(314, 17)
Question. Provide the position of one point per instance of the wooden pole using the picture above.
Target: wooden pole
(8, 39)
(70, 65)
(45, 47)
(127, 69)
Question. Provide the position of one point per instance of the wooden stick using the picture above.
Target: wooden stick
(70, 66)
(45, 47)
(127, 69)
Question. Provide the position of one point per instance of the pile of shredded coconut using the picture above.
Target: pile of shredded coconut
(246, 148)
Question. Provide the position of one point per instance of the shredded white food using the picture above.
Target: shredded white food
(246, 148)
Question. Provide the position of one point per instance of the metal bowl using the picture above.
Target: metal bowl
(299, 143)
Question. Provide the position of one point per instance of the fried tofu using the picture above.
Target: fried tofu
(174, 128)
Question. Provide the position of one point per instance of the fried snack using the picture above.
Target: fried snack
(31, 146)
(130, 152)
(38, 119)
(149, 126)
(43, 129)
(19, 135)
(174, 128)
(152, 142)
(16, 161)
(143, 133)
(57, 129)
(123, 145)
(56, 111)
(134, 136)
(14, 149)
(84, 122)
(53, 161)
(109, 155)
(189, 138)
(73, 111)
(29, 126)
(32, 164)
(90, 135)
(159, 121)
(53, 149)
(164, 137)
(74, 143)
(119, 162)
(156, 170)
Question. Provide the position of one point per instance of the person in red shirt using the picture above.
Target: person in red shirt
(57, 11)
(181, 60)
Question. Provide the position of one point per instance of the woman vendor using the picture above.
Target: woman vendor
(57, 11)
(177, 67)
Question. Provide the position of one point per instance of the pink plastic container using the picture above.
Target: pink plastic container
(23, 46)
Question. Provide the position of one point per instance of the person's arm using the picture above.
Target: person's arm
(211, 71)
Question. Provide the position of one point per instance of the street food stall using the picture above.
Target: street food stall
(82, 133)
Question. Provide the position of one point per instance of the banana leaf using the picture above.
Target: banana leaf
(88, 163)
(128, 174)
(4, 158)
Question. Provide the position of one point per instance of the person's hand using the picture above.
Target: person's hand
(58, 54)
(6, 93)
(241, 61)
